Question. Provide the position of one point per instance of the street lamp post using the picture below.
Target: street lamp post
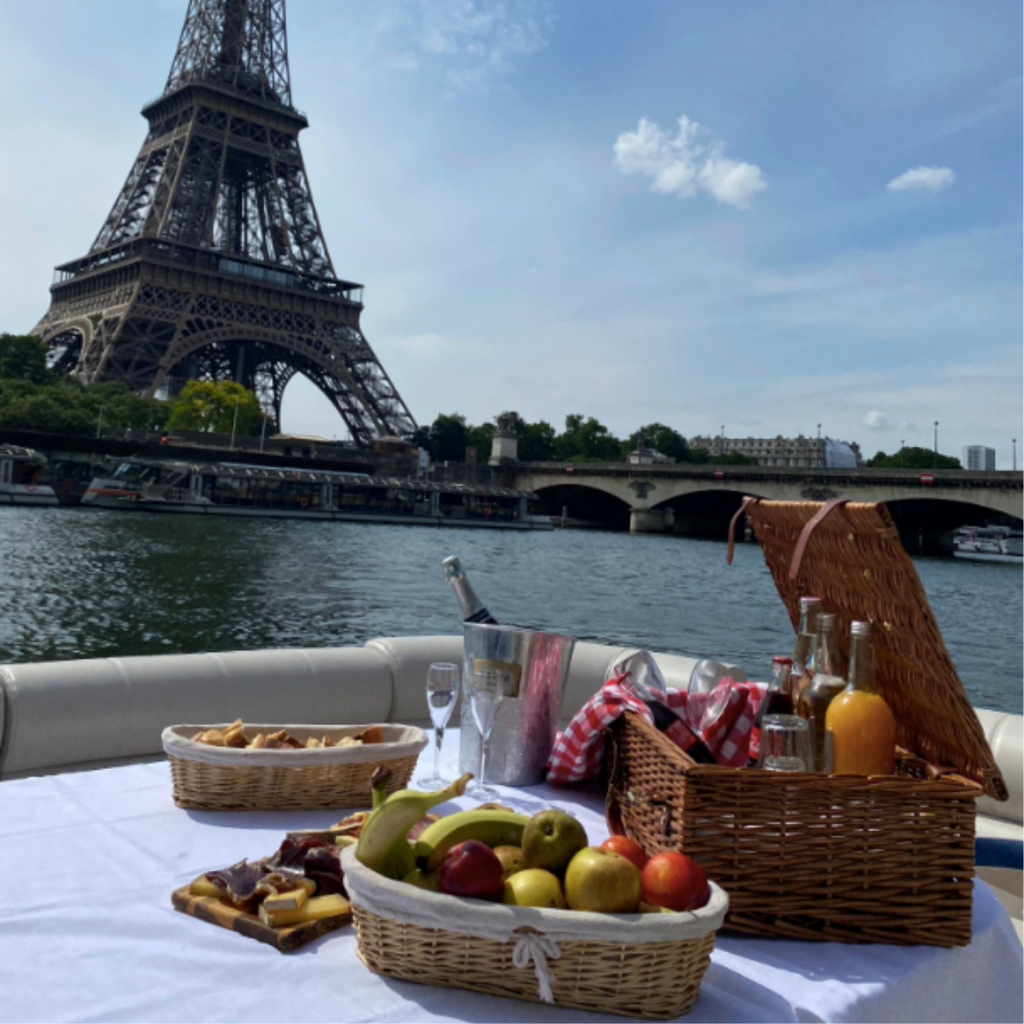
(721, 444)
(935, 458)
(902, 444)
(263, 432)
(99, 422)
(234, 425)
(1015, 455)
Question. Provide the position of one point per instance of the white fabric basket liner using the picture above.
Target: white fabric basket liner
(407, 904)
(400, 741)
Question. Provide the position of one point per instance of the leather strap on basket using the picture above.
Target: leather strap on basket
(809, 528)
(732, 527)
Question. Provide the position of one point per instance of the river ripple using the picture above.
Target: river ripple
(78, 583)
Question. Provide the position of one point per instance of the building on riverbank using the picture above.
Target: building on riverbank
(798, 452)
(977, 456)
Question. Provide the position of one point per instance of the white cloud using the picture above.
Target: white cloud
(875, 420)
(470, 43)
(682, 165)
(931, 178)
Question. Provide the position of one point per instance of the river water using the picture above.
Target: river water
(83, 583)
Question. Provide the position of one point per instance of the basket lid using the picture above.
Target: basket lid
(850, 555)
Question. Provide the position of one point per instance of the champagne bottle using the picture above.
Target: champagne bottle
(668, 722)
(473, 609)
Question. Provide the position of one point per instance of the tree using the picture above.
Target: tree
(480, 438)
(448, 438)
(206, 405)
(663, 440)
(913, 458)
(536, 441)
(23, 357)
(587, 440)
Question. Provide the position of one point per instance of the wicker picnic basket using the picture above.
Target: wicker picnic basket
(637, 965)
(226, 779)
(828, 857)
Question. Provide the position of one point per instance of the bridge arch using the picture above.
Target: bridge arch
(926, 525)
(587, 505)
(706, 512)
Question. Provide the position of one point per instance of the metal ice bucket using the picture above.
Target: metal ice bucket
(533, 668)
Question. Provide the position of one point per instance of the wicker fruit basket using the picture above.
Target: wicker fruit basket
(226, 779)
(637, 965)
(840, 858)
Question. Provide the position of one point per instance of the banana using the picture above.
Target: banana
(495, 828)
(382, 845)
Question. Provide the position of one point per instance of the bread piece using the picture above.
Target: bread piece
(234, 735)
(313, 742)
(213, 737)
(372, 735)
(258, 743)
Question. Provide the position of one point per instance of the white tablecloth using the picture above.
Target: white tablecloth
(87, 931)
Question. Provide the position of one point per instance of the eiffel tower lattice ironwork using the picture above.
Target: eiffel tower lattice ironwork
(212, 263)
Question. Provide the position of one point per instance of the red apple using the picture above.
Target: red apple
(628, 848)
(472, 869)
(675, 881)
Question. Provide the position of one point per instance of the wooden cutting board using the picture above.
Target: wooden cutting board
(284, 940)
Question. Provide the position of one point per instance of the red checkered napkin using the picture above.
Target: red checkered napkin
(578, 753)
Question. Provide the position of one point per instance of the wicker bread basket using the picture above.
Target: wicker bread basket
(841, 858)
(637, 965)
(228, 779)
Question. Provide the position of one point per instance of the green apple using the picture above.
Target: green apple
(429, 880)
(551, 839)
(511, 858)
(603, 882)
(534, 887)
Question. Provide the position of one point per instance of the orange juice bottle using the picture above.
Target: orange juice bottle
(859, 724)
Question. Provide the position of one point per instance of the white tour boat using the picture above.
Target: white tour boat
(20, 469)
(989, 544)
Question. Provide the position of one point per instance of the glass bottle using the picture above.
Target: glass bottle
(803, 649)
(668, 722)
(859, 723)
(777, 701)
(473, 609)
(827, 684)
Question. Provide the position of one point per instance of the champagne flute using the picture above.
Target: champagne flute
(485, 696)
(442, 689)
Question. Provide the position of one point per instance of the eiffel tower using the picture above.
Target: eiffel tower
(212, 264)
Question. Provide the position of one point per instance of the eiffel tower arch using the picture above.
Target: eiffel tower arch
(212, 263)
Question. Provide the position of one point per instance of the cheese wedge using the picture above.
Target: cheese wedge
(293, 899)
(315, 909)
(202, 886)
(345, 840)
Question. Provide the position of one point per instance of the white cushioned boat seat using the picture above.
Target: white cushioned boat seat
(1006, 738)
(72, 713)
(408, 658)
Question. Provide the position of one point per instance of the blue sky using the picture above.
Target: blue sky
(692, 213)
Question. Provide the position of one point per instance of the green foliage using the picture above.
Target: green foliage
(663, 440)
(700, 456)
(587, 440)
(913, 458)
(480, 438)
(448, 438)
(23, 357)
(66, 406)
(207, 405)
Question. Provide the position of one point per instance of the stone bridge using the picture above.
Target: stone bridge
(685, 498)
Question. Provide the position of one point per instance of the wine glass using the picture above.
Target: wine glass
(707, 695)
(442, 689)
(485, 696)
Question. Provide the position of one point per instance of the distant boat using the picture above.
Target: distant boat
(19, 477)
(989, 544)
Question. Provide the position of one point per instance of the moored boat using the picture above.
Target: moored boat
(20, 470)
(237, 489)
(989, 544)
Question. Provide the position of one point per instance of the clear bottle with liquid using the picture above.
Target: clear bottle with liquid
(827, 684)
(803, 649)
(473, 609)
(859, 723)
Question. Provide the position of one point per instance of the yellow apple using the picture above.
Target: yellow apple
(534, 887)
(601, 881)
